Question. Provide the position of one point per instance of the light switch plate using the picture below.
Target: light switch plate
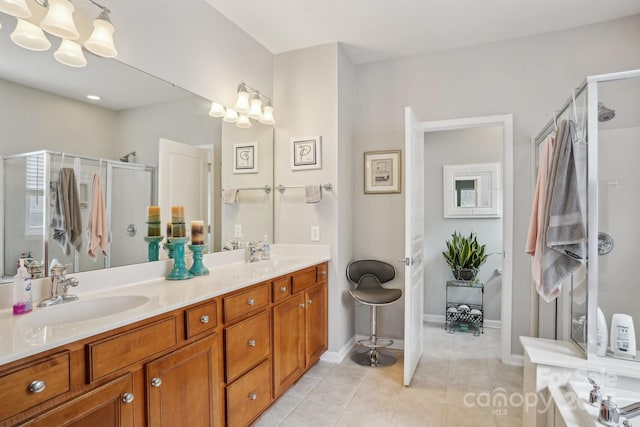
(315, 233)
(237, 231)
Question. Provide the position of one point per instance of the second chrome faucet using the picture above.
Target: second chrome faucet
(60, 285)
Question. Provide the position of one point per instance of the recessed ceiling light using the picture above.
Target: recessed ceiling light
(94, 97)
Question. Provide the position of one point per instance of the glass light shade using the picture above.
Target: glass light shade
(255, 111)
(70, 53)
(59, 20)
(217, 110)
(243, 121)
(17, 8)
(30, 36)
(242, 103)
(101, 40)
(267, 116)
(231, 116)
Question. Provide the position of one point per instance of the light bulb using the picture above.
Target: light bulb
(255, 111)
(230, 116)
(267, 116)
(59, 20)
(101, 40)
(70, 53)
(17, 8)
(217, 110)
(243, 122)
(30, 36)
(242, 103)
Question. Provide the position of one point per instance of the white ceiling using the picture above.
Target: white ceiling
(373, 30)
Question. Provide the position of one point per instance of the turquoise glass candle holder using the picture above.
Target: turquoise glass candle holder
(198, 268)
(179, 271)
(154, 247)
(168, 246)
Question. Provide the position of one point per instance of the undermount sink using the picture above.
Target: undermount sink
(82, 310)
(268, 266)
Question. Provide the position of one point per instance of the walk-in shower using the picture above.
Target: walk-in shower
(605, 114)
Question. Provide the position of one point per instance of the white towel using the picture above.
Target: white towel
(97, 229)
(565, 233)
(230, 196)
(312, 193)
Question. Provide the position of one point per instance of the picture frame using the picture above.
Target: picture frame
(245, 158)
(306, 153)
(382, 172)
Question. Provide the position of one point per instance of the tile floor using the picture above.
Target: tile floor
(459, 382)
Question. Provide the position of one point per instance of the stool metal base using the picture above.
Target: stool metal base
(373, 358)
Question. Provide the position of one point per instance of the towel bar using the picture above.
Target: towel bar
(282, 188)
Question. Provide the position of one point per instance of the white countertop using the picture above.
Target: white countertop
(227, 273)
(566, 354)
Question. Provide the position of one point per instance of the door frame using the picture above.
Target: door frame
(506, 122)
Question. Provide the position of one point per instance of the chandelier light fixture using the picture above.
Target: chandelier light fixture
(250, 104)
(59, 22)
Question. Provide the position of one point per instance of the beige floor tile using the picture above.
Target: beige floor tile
(302, 388)
(310, 413)
(370, 419)
(331, 392)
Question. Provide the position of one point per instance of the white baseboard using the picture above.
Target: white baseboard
(516, 360)
(338, 356)
(439, 318)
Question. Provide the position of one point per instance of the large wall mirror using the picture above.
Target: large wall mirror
(44, 109)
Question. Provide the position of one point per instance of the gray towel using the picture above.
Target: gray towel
(565, 233)
(312, 193)
(66, 221)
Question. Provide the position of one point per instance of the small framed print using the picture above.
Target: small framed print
(306, 153)
(382, 173)
(245, 158)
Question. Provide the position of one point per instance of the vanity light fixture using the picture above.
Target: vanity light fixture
(59, 22)
(250, 104)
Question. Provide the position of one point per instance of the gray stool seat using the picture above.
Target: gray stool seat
(368, 275)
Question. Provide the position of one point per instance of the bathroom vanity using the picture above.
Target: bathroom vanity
(213, 350)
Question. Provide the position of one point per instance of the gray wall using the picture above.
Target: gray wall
(529, 77)
(455, 147)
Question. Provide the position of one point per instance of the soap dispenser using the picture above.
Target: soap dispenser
(22, 300)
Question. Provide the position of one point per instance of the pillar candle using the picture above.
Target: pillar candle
(178, 229)
(153, 229)
(153, 214)
(169, 234)
(177, 214)
(197, 232)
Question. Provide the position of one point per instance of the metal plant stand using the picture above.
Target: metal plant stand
(464, 317)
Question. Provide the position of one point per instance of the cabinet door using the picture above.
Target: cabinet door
(182, 387)
(107, 406)
(288, 343)
(316, 323)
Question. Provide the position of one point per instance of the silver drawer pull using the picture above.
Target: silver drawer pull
(37, 386)
(204, 319)
(324, 272)
(251, 301)
(156, 382)
(283, 289)
(127, 397)
(302, 305)
(309, 302)
(253, 396)
(252, 343)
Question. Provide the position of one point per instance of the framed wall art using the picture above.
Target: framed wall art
(306, 153)
(245, 158)
(382, 172)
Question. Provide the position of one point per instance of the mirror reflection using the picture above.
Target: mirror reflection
(45, 109)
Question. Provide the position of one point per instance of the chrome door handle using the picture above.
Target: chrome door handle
(37, 386)
(127, 397)
(204, 319)
(252, 343)
(156, 382)
(253, 396)
(251, 301)
(283, 289)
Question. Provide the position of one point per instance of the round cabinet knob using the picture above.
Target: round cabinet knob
(156, 382)
(309, 301)
(37, 386)
(127, 397)
(283, 289)
(253, 396)
(252, 343)
(204, 319)
(324, 272)
(251, 301)
(302, 305)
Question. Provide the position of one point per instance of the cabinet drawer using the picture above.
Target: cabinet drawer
(110, 354)
(280, 288)
(239, 305)
(246, 343)
(18, 389)
(322, 272)
(200, 319)
(249, 396)
(303, 279)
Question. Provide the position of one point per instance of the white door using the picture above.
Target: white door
(182, 180)
(413, 238)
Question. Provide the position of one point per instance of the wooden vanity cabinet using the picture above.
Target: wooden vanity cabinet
(299, 328)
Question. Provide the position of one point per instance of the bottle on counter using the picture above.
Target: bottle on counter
(266, 248)
(22, 299)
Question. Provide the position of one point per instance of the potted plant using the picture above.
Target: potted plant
(464, 255)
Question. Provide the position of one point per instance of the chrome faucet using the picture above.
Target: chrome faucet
(252, 254)
(60, 285)
(610, 413)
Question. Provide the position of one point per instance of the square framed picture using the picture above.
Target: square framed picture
(245, 158)
(382, 172)
(306, 153)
